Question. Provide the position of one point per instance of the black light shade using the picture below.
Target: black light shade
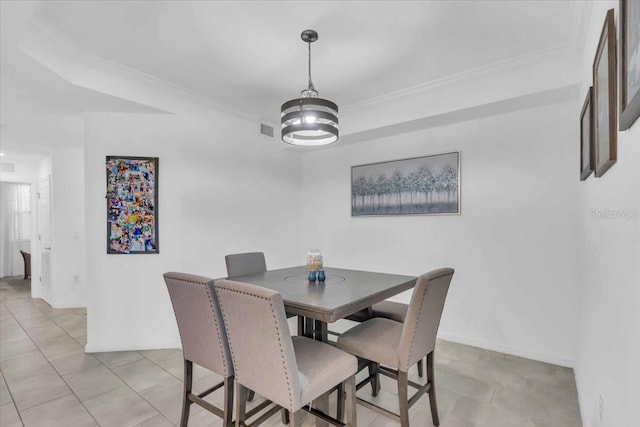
(309, 121)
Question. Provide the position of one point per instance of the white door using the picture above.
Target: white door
(44, 232)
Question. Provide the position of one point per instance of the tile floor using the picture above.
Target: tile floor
(48, 380)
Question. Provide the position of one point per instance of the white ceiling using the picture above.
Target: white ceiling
(249, 56)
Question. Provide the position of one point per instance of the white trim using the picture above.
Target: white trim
(105, 348)
(507, 349)
(66, 58)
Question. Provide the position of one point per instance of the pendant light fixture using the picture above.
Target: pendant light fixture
(309, 121)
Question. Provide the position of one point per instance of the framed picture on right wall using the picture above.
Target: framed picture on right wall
(605, 129)
(630, 62)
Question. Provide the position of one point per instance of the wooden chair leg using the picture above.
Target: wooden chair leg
(350, 385)
(421, 368)
(188, 383)
(227, 420)
(432, 390)
(295, 419)
(284, 416)
(240, 403)
(340, 402)
(375, 384)
(403, 397)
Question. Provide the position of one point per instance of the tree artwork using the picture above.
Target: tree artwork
(423, 185)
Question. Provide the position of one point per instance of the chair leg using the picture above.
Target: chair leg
(227, 420)
(421, 368)
(188, 382)
(432, 390)
(375, 383)
(340, 402)
(403, 397)
(240, 403)
(284, 416)
(350, 385)
(295, 419)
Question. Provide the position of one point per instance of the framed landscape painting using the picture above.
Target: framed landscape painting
(132, 202)
(605, 129)
(417, 186)
(630, 62)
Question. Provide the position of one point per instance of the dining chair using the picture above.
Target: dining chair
(251, 263)
(395, 311)
(245, 263)
(204, 341)
(289, 371)
(26, 257)
(398, 346)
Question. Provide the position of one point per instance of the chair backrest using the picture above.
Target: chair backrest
(260, 342)
(246, 263)
(423, 317)
(204, 339)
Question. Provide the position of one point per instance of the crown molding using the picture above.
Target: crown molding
(53, 49)
(578, 20)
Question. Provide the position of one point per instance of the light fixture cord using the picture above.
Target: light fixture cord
(310, 81)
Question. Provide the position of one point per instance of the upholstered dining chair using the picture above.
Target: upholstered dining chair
(250, 263)
(245, 263)
(398, 346)
(204, 341)
(395, 311)
(290, 372)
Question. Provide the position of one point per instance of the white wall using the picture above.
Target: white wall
(222, 189)
(38, 288)
(68, 281)
(513, 246)
(607, 368)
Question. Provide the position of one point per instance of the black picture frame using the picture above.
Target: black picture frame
(132, 205)
(586, 137)
(629, 70)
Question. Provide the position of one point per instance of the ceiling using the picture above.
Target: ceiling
(248, 54)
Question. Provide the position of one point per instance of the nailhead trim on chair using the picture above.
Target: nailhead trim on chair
(224, 360)
(273, 311)
(415, 327)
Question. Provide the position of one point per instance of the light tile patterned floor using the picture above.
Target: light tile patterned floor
(47, 379)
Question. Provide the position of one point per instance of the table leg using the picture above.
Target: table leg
(322, 402)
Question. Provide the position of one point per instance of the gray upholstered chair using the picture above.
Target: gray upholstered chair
(398, 346)
(395, 311)
(250, 263)
(291, 372)
(245, 263)
(204, 340)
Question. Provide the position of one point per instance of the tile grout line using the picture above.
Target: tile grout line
(48, 362)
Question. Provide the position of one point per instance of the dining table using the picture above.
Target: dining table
(343, 293)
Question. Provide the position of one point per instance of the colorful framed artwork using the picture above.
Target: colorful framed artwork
(132, 205)
(630, 62)
(605, 129)
(425, 185)
(586, 137)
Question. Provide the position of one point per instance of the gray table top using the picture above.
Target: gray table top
(344, 292)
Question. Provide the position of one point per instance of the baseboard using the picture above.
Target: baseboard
(92, 348)
(493, 346)
(68, 305)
